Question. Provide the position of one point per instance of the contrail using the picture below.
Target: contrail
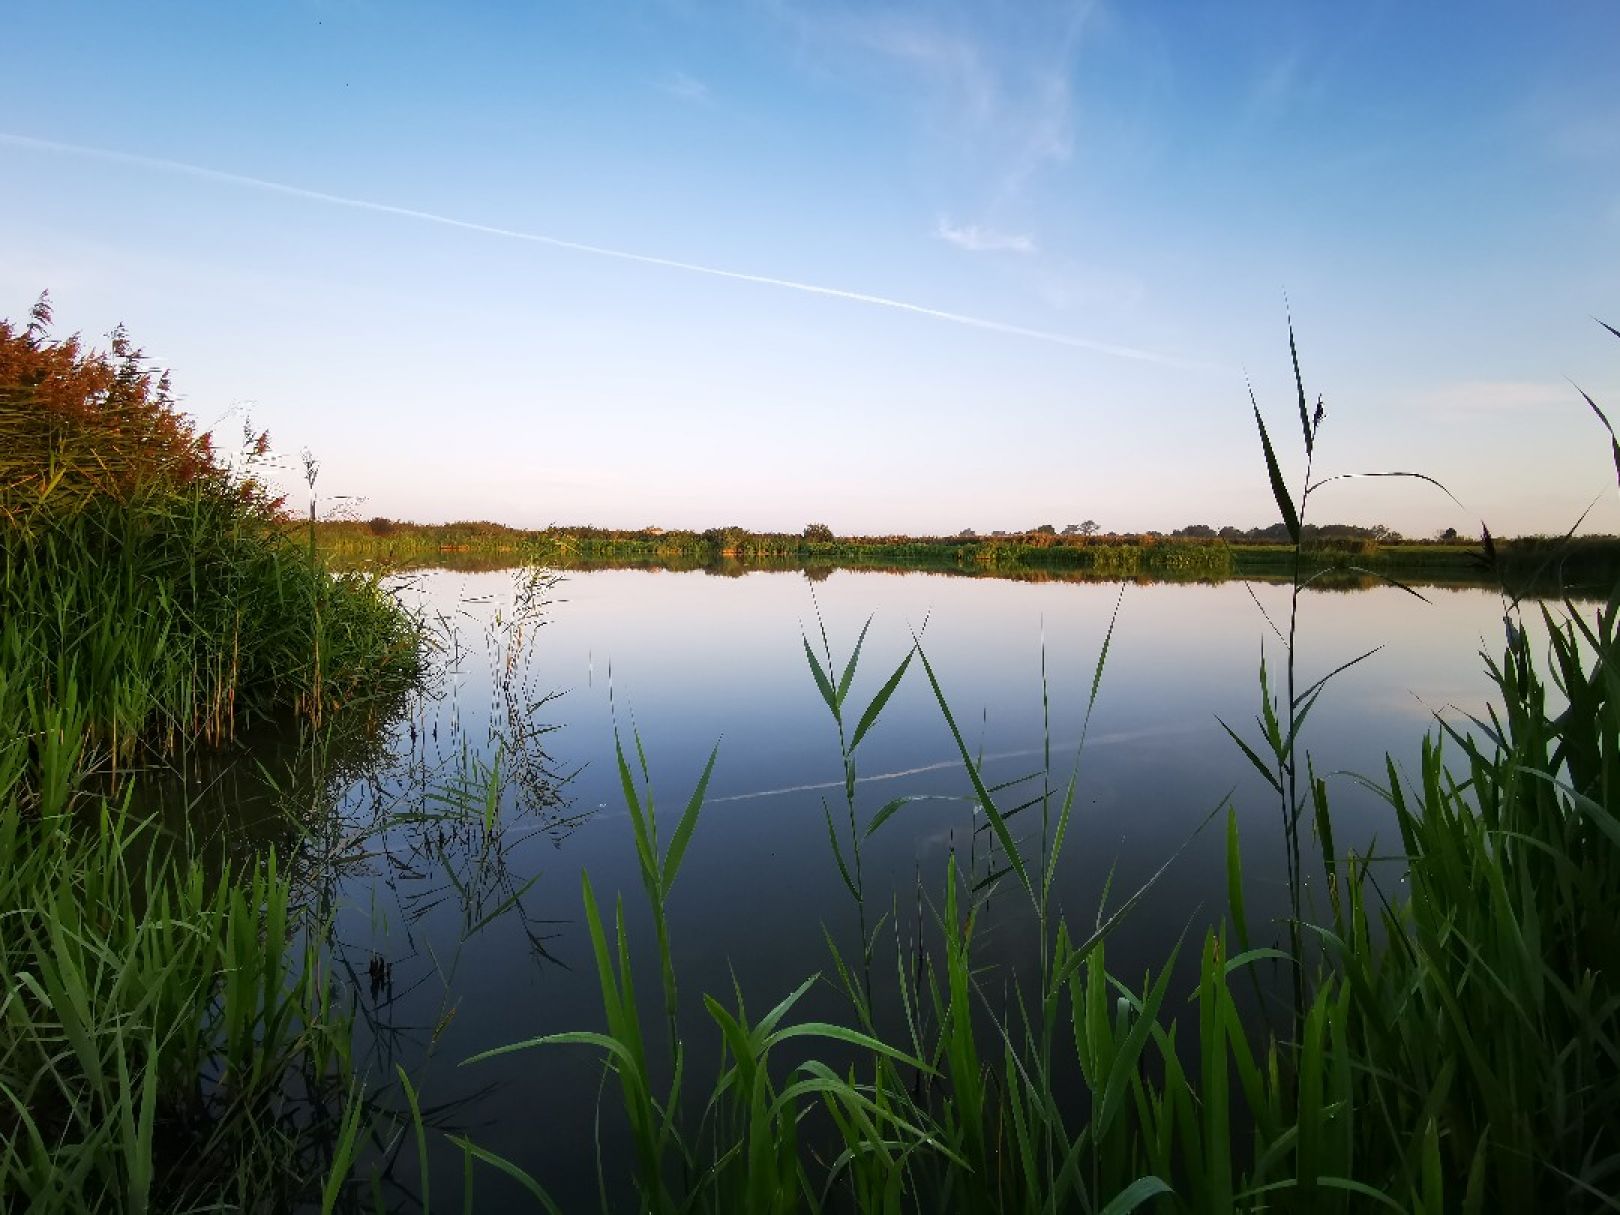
(647, 259)
(1096, 740)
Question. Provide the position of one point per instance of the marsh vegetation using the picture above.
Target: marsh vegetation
(930, 980)
(171, 1034)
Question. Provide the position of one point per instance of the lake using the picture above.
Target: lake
(467, 888)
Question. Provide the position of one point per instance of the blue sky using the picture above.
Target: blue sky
(1050, 241)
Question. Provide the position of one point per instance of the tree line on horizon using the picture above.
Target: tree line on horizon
(1043, 535)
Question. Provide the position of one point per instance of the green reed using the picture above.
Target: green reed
(178, 615)
(1488, 1030)
(163, 1037)
(834, 695)
(964, 1108)
(169, 1036)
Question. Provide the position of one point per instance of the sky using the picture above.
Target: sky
(888, 267)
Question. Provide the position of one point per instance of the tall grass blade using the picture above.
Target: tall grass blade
(1299, 384)
(1279, 487)
(997, 822)
(687, 824)
(875, 709)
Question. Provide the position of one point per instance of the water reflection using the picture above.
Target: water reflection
(1526, 579)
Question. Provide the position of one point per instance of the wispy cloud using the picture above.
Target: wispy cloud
(687, 88)
(976, 239)
(1276, 86)
(200, 172)
(1589, 136)
(955, 64)
(992, 87)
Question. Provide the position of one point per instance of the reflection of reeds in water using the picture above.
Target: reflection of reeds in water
(437, 835)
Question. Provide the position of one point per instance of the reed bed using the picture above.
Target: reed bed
(167, 1041)
(169, 1036)
(150, 593)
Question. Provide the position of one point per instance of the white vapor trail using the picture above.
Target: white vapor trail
(275, 187)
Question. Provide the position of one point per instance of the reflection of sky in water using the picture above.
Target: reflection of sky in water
(695, 659)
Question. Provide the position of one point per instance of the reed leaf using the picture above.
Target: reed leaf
(1279, 487)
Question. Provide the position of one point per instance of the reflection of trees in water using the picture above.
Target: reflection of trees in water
(1529, 577)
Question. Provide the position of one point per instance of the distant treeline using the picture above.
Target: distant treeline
(1196, 551)
(386, 540)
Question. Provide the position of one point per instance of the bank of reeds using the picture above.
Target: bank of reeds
(168, 1036)
(150, 594)
(176, 614)
(386, 542)
(1485, 1035)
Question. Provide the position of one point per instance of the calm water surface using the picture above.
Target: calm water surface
(471, 893)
